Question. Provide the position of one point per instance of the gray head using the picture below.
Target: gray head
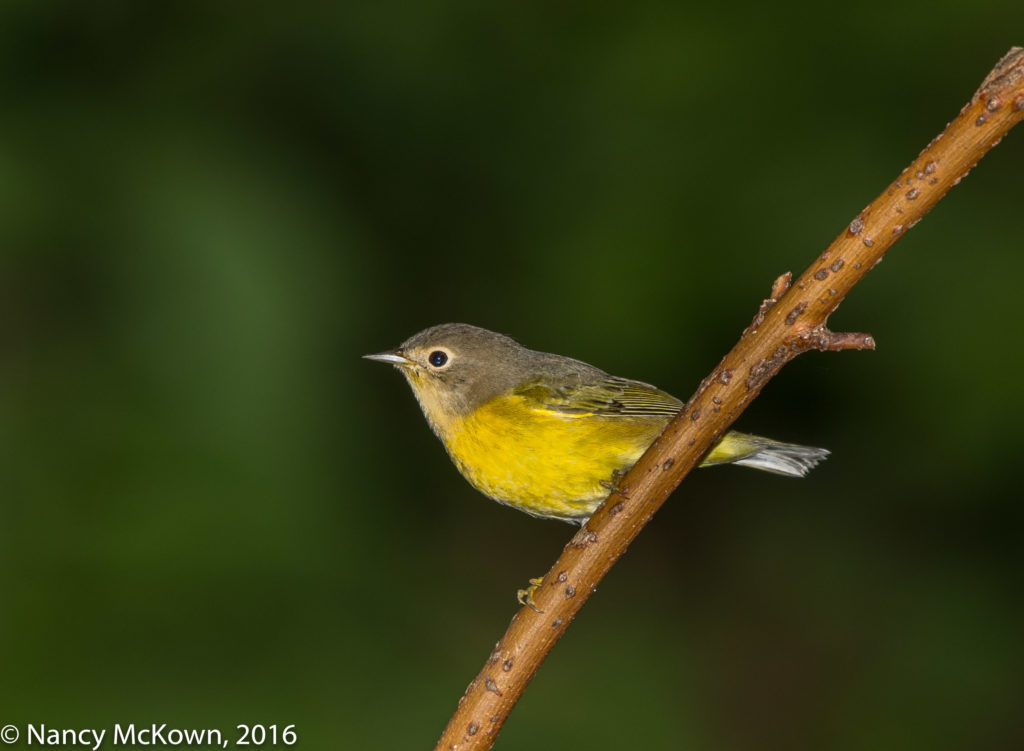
(453, 368)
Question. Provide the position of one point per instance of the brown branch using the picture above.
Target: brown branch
(791, 321)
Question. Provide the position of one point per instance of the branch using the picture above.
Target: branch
(791, 321)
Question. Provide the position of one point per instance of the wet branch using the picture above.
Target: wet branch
(791, 321)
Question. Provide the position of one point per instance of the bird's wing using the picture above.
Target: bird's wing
(607, 396)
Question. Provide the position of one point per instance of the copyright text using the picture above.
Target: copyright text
(155, 734)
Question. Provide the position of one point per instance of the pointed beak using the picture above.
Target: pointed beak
(392, 356)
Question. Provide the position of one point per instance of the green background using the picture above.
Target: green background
(213, 512)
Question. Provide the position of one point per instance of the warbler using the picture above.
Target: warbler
(548, 434)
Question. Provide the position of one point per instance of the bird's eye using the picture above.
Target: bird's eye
(437, 358)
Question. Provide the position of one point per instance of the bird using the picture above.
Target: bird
(547, 434)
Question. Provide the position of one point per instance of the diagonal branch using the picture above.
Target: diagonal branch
(791, 321)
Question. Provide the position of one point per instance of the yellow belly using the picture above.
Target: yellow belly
(546, 463)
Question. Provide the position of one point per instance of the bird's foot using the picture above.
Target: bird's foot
(525, 596)
(614, 487)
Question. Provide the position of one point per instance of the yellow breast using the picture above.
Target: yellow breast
(543, 462)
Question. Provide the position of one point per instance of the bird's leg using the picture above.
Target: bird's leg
(613, 485)
(525, 596)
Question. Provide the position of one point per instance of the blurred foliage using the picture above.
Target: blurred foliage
(213, 512)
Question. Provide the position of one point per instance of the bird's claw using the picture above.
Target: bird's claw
(525, 596)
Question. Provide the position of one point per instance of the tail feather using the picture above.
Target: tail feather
(780, 458)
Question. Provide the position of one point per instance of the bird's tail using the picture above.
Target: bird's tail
(773, 456)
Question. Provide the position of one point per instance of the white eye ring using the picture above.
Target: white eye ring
(438, 358)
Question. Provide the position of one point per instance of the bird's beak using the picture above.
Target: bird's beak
(390, 356)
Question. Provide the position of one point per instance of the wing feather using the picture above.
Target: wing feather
(607, 396)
